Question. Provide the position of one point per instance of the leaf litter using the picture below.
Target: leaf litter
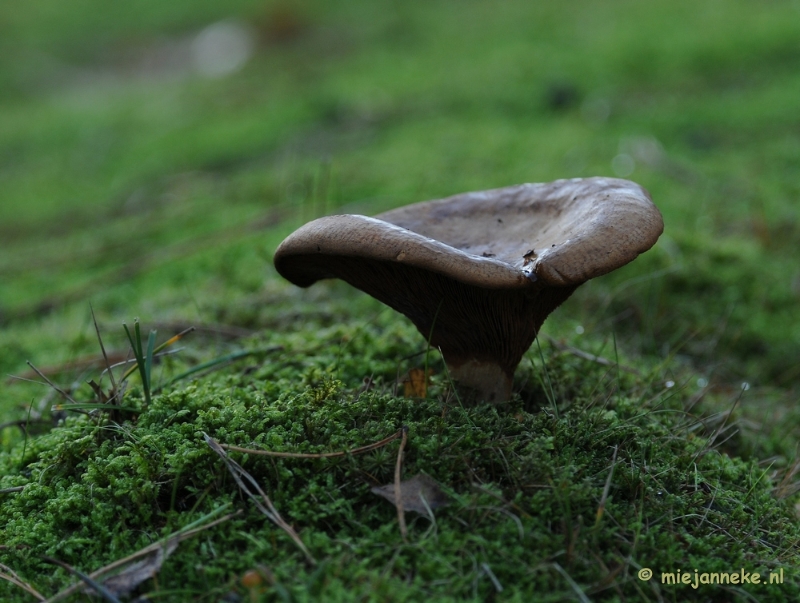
(418, 494)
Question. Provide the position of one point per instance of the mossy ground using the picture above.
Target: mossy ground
(154, 193)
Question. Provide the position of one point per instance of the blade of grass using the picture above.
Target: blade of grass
(551, 395)
(139, 354)
(428, 347)
(27, 422)
(156, 351)
(94, 406)
(148, 359)
(136, 346)
(216, 362)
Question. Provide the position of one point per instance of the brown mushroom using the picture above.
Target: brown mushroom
(478, 273)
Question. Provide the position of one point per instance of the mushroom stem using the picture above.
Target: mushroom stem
(489, 381)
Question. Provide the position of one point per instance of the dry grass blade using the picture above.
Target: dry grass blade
(6, 573)
(398, 492)
(93, 584)
(89, 362)
(712, 441)
(50, 383)
(786, 487)
(321, 455)
(132, 561)
(561, 347)
(579, 594)
(105, 356)
(266, 507)
(225, 331)
(602, 506)
(495, 582)
(10, 490)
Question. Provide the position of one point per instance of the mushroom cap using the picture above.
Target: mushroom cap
(560, 234)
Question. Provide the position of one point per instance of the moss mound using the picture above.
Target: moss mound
(563, 493)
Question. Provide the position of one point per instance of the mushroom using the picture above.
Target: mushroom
(477, 273)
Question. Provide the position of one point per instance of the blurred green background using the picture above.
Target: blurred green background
(152, 154)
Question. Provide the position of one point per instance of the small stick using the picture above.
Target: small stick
(322, 455)
(398, 499)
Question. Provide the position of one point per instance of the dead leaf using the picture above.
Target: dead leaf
(152, 557)
(139, 571)
(416, 383)
(413, 490)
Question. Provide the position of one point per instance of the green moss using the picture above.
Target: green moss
(525, 485)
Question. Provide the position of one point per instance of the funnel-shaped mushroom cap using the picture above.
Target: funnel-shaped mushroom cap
(479, 272)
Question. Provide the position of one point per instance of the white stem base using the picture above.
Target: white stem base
(488, 380)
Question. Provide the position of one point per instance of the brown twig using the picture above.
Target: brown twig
(322, 455)
(267, 508)
(398, 499)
